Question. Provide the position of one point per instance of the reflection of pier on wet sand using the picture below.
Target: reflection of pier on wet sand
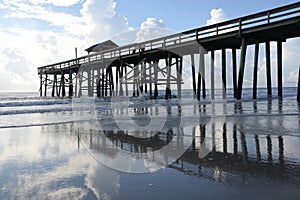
(237, 150)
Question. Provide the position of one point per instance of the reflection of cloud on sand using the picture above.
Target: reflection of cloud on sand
(54, 170)
(103, 181)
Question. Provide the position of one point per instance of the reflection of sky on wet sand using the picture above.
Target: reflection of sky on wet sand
(260, 157)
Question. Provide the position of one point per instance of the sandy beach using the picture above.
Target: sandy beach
(253, 152)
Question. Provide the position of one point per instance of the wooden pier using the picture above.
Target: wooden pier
(137, 68)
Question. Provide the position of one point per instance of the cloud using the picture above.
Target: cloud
(293, 76)
(61, 3)
(217, 15)
(150, 29)
(105, 24)
(26, 46)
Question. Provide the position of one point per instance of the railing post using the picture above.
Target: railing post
(240, 27)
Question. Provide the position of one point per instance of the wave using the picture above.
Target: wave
(34, 103)
(32, 111)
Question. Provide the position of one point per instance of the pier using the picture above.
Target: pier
(137, 68)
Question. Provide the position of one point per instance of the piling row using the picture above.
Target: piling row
(119, 78)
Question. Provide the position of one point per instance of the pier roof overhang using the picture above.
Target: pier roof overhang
(103, 46)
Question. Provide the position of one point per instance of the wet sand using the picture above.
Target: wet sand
(253, 154)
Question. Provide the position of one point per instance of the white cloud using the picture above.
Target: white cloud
(62, 3)
(150, 29)
(217, 15)
(102, 21)
(23, 49)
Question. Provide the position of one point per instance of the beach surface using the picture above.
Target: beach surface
(237, 150)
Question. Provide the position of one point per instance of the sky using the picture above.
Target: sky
(35, 33)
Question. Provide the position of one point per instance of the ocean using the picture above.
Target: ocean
(126, 148)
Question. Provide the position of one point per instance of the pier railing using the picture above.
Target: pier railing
(236, 26)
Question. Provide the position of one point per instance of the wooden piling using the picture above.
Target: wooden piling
(268, 69)
(193, 74)
(103, 82)
(256, 53)
(155, 79)
(199, 83)
(242, 68)
(111, 82)
(70, 84)
(168, 86)
(121, 92)
(98, 85)
(92, 82)
(144, 72)
(89, 82)
(76, 84)
(54, 85)
(150, 79)
(63, 87)
(224, 73)
(80, 76)
(117, 80)
(134, 82)
(298, 95)
(41, 85)
(279, 68)
(202, 71)
(212, 72)
(234, 73)
(126, 84)
(179, 63)
(46, 85)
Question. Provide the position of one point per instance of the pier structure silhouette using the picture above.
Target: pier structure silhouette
(134, 68)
